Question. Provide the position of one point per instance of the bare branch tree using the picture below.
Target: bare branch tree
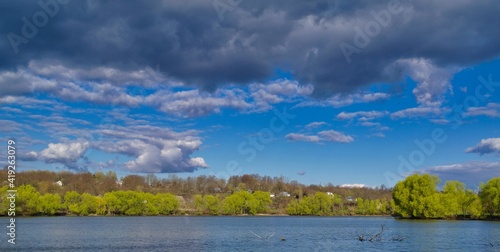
(378, 236)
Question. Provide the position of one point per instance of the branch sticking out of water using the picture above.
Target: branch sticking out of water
(267, 237)
(260, 237)
(378, 236)
(489, 243)
(375, 237)
(399, 238)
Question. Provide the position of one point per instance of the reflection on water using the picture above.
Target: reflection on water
(242, 234)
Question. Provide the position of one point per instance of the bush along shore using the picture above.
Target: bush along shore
(418, 196)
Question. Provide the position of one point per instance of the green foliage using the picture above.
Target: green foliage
(4, 206)
(88, 204)
(417, 197)
(100, 204)
(490, 196)
(139, 203)
(167, 203)
(372, 207)
(208, 204)
(459, 201)
(243, 202)
(111, 201)
(132, 203)
(72, 201)
(432, 206)
(414, 195)
(150, 204)
(263, 199)
(296, 207)
(50, 203)
(28, 200)
(318, 204)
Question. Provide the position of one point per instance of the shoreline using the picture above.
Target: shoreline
(257, 215)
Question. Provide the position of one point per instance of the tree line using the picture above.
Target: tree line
(52, 193)
(100, 183)
(30, 202)
(418, 196)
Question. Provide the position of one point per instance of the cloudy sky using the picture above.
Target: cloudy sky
(347, 92)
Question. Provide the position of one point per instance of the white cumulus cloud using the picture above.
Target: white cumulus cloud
(67, 154)
(485, 146)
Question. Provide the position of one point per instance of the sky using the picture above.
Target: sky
(341, 92)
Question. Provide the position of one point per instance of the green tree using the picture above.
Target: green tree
(112, 203)
(199, 204)
(373, 206)
(475, 208)
(5, 205)
(432, 206)
(28, 200)
(299, 207)
(208, 204)
(212, 204)
(360, 207)
(490, 196)
(454, 197)
(133, 203)
(410, 196)
(263, 199)
(321, 204)
(150, 204)
(383, 207)
(88, 204)
(50, 203)
(338, 205)
(167, 203)
(72, 201)
(100, 204)
(241, 202)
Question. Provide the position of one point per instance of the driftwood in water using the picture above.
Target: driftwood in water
(375, 237)
(260, 237)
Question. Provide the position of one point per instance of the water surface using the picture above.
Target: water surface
(241, 234)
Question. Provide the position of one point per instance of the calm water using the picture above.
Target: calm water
(233, 234)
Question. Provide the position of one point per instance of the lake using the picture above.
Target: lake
(248, 233)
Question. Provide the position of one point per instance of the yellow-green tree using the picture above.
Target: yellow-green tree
(87, 205)
(208, 204)
(72, 201)
(4, 206)
(100, 204)
(166, 203)
(28, 200)
(50, 203)
(150, 204)
(490, 196)
(241, 202)
(415, 196)
(111, 203)
(263, 199)
(453, 197)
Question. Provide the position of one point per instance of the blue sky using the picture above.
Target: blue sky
(271, 92)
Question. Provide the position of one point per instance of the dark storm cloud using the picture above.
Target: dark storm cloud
(192, 44)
